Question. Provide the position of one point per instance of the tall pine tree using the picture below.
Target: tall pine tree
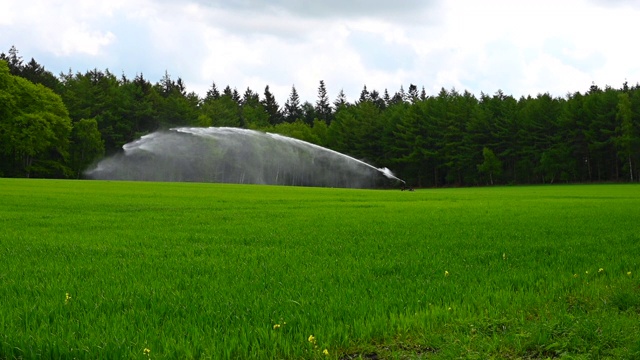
(323, 108)
(292, 108)
(271, 107)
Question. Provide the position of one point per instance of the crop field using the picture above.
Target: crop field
(113, 270)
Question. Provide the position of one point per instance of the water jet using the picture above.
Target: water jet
(234, 155)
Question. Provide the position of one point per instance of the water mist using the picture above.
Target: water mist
(234, 155)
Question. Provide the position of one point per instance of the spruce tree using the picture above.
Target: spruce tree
(364, 95)
(212, 93)
(341, 101)
(292, 108)
(271, 107)
(323, 108)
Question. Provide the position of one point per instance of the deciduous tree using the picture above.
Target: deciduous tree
(626, 137)
(86, 145)
(491, 166)
(34, 128)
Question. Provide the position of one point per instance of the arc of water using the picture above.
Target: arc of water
(235, 155)
(207, 132)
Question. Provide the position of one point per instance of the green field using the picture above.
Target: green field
(92, 269)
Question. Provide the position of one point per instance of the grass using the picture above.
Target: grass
(118, 270)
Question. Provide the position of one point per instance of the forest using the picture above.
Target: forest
(57, 126)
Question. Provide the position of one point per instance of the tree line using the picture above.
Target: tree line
(57, 126)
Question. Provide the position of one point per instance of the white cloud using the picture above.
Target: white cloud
(519, 47)
(524, 62)
(8, 14)
(63, 28)
(79, 39)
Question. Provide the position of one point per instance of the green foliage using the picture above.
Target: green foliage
(86, 145)
(31, 71)
(430, 141)
(323, 108)
(357, 131)
(223, 111)
(297, 130)
(627, 139)
(293, 108)
(254, 114)
(175, 107)
(556, 162)
(271, 107)
(491, 166)
(321, 131)
(108, 269)
(34, 128)
(101, 96)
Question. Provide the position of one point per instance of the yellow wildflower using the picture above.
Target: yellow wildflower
(326, 352)
(146, 351)
(600, 270)
(629, 273)
(312, 339)
(586, 272)
(446, 273)
(504, 256)
(276, 326)
(67, 298)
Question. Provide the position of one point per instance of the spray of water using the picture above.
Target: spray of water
(233, 155)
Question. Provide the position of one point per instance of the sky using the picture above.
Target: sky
(520, 47)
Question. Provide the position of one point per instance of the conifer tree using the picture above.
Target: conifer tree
(323, 108)
(364, 95)
(292, 108)
(271, 107)
(341, 101)
(212, 93)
